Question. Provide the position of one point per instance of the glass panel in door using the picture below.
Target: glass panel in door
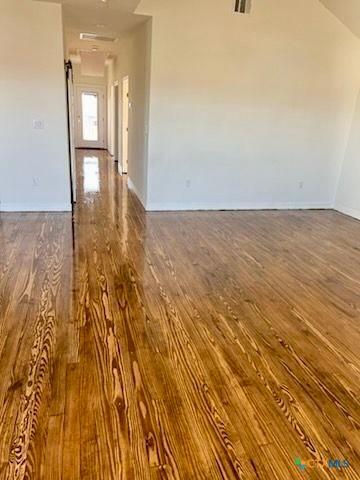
(90, 116)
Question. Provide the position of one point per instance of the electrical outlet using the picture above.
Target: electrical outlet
(301, 185)
(38, 124)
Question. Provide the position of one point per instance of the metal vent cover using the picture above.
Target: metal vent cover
(242, 6)
(95, 37)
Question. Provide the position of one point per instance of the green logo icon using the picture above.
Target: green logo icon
(299, 464)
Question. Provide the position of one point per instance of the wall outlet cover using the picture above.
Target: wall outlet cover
(38, 124)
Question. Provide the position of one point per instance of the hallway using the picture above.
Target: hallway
(202, 345)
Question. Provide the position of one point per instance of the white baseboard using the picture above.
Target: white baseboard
(175, 207)
(352, 212)
(28, 207)
(133, 187)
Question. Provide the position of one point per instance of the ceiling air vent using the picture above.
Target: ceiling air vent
(93, 36)
(242, 6)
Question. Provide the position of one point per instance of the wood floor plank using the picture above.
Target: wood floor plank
(180, 346)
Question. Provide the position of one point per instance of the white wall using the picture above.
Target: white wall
(133, 60)
(348, 11)
(348, 194)
(248, 111)
(33, 163)
(81, 79)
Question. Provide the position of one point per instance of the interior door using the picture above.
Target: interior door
(90, 103)
(71, 127)
(125, 125)
(116, 122)
(72, 109)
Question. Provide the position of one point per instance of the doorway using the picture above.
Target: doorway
(125, 125)
(116, 121)
(90, 114)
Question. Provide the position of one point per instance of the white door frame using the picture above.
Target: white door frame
(125, 124)
(72, 123)
(101, 92)
(116, 119)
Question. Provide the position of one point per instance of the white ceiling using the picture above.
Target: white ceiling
(115, 17)
(347, 11)
(111, 18)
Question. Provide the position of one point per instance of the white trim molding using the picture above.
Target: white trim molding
(351, 212)
(26, 207)
(175, 207)
(133, 187)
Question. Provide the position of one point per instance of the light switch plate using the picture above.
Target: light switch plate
(38, 124)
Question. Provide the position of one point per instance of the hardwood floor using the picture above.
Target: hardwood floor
(204, 345)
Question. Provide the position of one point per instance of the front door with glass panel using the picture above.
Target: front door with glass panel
(90, 102)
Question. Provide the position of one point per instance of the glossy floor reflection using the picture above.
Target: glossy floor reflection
(194, 345)
(91, 175)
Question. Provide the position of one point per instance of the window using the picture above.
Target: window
(90, 114)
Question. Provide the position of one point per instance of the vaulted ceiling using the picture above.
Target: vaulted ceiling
(347, 11)
(114, 17)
